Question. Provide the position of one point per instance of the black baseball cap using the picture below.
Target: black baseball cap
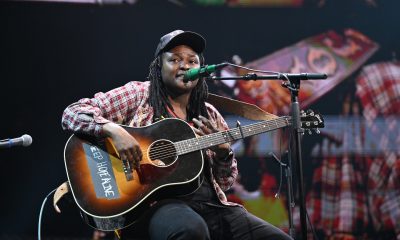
(179, 37)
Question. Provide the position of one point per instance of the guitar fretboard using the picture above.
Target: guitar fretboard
(195, 144)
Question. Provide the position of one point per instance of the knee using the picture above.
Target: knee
(177, 221)
(192, 230)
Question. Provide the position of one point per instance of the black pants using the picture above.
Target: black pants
(179, 220)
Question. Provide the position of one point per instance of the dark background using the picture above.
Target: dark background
(53, 54)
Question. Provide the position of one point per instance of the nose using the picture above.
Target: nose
(184, 65)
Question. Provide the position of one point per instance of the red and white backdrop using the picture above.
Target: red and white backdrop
(353, 185)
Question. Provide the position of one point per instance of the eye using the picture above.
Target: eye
(193, 61)
(174, 60)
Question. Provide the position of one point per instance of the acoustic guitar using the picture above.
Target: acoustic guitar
(112, 195)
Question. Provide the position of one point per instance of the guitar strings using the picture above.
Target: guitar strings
(166, 151)
(209, 137)
(163, 150)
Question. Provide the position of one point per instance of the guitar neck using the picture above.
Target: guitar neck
(206, 141)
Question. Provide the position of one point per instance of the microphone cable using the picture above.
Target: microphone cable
(253, 70)
(41, 212)
(281, 165)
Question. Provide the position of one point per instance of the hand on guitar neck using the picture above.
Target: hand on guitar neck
(204, 127)
(126, 145)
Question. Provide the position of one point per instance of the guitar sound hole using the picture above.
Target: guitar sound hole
(164, 151)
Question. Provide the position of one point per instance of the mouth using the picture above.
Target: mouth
(180, 76)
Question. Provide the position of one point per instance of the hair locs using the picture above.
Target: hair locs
(158, 98)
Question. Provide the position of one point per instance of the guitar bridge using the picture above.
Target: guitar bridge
(127, 170)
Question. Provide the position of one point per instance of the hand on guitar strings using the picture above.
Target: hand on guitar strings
(126, 145)
(203, 126)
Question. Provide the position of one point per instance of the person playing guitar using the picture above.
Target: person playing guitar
(201, 213)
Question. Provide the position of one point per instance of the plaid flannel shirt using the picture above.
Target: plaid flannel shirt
(378, 88)
(350, 188)
(337, 203)
(128, 105)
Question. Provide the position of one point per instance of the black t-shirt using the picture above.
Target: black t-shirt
(205, 193)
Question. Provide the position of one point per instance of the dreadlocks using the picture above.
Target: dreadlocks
(158, 94)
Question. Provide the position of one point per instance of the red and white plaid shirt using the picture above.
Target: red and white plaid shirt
(378, 88)
(352, 189)
(128, 105)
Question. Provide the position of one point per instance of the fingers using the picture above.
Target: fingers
(206, 122)
(198, 132)
(201, 129)
(132, 155)
(126, 145)
(129, 155)
(204, 126)
(137, 156)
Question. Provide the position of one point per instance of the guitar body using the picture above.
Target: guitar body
(101, 187)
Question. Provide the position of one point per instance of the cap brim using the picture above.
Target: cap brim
(191, 39)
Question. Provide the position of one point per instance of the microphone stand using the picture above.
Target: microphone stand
(293, 84)
(297, 131)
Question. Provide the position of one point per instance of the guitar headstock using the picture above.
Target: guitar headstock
(311, 120)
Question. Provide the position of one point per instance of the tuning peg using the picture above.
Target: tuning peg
(317, 131)
(309, 131)
(310, 112)
(302, 113)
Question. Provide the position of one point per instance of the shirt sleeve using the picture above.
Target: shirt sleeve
(224, 169)
(88, 115)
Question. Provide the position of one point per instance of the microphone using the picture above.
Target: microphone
(25, 141)
(195, 73)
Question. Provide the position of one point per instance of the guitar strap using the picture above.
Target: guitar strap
(242, 109)
(60, 192)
